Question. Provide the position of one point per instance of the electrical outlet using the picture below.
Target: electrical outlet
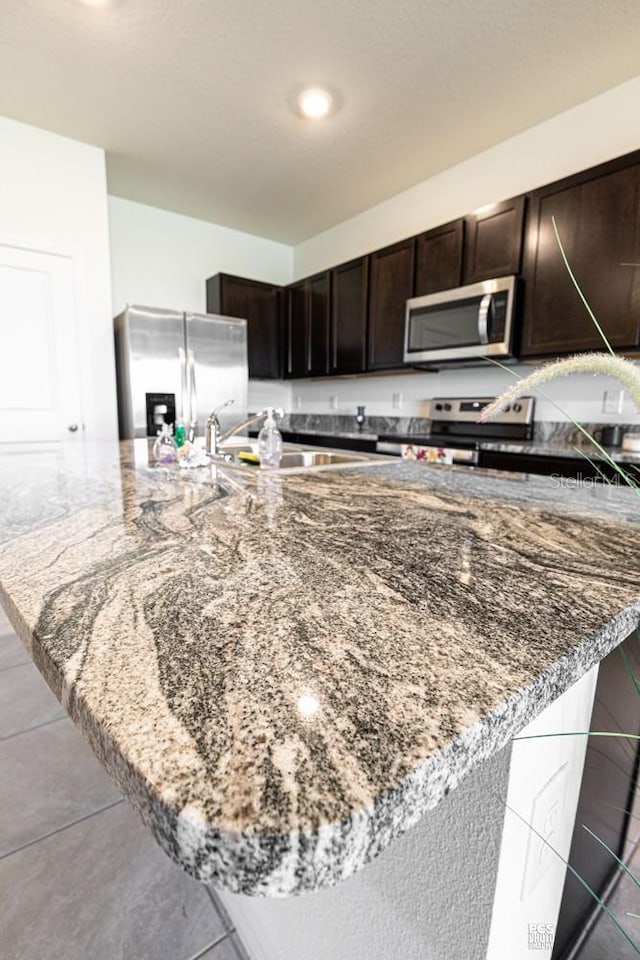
(612, 401)
(546, 819)
(298, 401)
(397, 399)
(333, 401)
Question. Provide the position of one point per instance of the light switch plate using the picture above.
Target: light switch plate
(333, 401)
(397, 399)
(546, 818)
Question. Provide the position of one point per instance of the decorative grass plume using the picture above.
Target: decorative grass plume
(623, 370)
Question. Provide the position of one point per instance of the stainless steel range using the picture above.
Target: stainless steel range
(456, 435)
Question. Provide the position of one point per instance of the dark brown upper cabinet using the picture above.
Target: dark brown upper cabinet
(297, 334)
(391, 274)
(261, 305)
(309, 326)
(493, 241)
(349, 303)
(598, 221)
(439, 258)
(319, 323)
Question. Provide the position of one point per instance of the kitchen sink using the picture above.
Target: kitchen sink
(294, 458)
(318, 458)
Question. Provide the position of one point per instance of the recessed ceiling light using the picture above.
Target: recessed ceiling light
(314, 103)
(96, 3)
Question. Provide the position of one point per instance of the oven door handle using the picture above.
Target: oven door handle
(483, 318)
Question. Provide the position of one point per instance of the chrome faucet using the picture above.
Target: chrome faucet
(213, 434)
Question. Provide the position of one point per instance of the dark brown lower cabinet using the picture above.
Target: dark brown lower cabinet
(260, 304)
(349, 302)
(572, 468)
(608, 783)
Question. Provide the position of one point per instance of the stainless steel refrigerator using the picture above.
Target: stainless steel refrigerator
(172, 365)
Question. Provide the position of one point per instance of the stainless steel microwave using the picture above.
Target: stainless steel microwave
(461, 324)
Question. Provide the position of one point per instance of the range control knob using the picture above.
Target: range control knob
(438, 406)
(517, 407)
(447, 406)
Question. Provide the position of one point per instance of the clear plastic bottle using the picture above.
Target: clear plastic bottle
(270, 443)
(164, 449)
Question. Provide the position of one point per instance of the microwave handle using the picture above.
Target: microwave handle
(483, 318)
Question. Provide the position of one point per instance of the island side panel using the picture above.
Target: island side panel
(544, 787)
(429, 895)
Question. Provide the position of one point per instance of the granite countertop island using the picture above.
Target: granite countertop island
(284, 673)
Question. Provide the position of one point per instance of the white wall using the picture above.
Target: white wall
(162, 259)
(580, 397)
(53, 196)
(593, 132)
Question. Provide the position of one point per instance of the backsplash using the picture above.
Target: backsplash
(550, 432)
(406, 395)
(346, 425)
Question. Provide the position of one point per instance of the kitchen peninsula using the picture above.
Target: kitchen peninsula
(285, 673)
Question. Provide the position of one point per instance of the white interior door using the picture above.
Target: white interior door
(40, 394)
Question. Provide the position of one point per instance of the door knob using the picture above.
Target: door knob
(72, 428)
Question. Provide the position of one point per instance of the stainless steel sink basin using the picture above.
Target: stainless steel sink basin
(297, 459)
(318, 458)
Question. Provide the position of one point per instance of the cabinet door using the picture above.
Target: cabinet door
(349, 286)
(260, 305)
(390, 286)
(439, 259)
(318, 321)
(599, 224)
(493, 241)
(297, 330)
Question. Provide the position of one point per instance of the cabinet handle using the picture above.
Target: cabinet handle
(193, 418)
(73, 428)
(183, 385)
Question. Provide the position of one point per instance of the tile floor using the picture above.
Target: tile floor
(606, 942)
(80, 876)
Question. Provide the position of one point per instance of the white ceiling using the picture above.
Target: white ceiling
(191, 98)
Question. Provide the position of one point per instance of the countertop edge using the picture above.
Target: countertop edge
(289, 864)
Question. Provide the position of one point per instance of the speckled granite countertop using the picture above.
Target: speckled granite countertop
(285, 673)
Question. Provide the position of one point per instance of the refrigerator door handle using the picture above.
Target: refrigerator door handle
(193, 396)
(184, 387)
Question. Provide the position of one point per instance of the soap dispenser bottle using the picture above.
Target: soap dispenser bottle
(270, 442)
(164, 449)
